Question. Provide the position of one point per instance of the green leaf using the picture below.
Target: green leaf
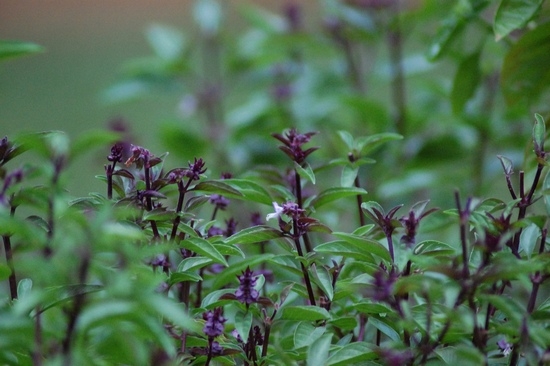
(349, 173)
(465, 82)
(351, 354)
(159, 214)
(304, 313)
(460, 355)
(318, 351)
(384, 327)
(305, 334)
(203, 247)
(323, 279)
(539, 132)
(342, 247)
(305, 172)
(254, 234)
(178, 277)
(193, 263)
(11, 49)
(507, 164)
(528, 239)
(218, 187)
(167, 42)
(368, 246)
(332, 194)
(523, 76)
(347, 138)
(243, 322)
(514, 14)
(344, 323)
(230, 250)
(370, 143)
(372, 308)
(433, 247)
(242, 189)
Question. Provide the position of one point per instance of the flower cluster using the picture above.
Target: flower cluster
(196, 168)
(293, 142)
(214, 323)
(116, 153)
(290, 209)
(246, 293)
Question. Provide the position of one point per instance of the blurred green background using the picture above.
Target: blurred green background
(458, 87)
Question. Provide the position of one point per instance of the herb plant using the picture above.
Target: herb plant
(291, 260)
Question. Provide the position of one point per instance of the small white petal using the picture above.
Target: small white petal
(276, 214)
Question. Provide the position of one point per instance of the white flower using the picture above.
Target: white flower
(276, 214)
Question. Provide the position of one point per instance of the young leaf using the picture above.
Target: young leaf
(324, 280)
(349, 173)
(507, 164)
(305, 172)
(347, 138)
(513, 14)
(370, 143)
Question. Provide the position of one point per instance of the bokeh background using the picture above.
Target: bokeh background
(436, 70)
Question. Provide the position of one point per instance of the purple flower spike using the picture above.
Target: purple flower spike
(196, 168)
(246, 293)
(214, 323)
(293, 142)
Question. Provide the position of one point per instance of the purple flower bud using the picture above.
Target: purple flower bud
(219, 201)
(237, 336)
(293, 142)
(214, 323)
(215, 230)
(504, 346)
(216, 349)
(246, 293)
(116, 153)
(292, 209)
(196, 169)
(230, 227)
(256, 219)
